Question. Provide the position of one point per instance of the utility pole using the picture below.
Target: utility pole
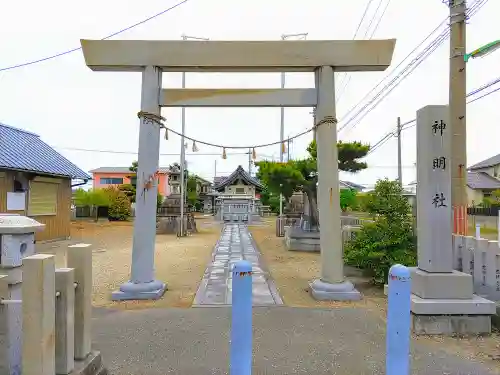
(183, 145)
(250, 162)
(300, 36)
(313, 113)
(400, 167)
(457, 120)
(288, 148)
(215, 169)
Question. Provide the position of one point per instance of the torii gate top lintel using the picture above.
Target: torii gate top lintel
(238, 56)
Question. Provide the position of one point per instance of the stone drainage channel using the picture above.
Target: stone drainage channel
(235, 244)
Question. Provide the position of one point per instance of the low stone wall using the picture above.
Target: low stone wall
(297, 239)
(479, 258)
(171, 224)
(490, 222)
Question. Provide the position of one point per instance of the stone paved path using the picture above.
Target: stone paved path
(235, 244)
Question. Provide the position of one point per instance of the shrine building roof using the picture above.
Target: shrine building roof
(239, 173)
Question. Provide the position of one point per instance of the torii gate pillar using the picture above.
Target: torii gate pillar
(331, 285)
(321, 56)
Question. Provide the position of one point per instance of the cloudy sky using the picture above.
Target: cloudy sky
(83, 114)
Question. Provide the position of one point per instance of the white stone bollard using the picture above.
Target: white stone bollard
(79, 257)
(39, 295)
(65, 320)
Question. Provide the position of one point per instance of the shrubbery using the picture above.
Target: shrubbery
(119, 208)
(347, 199)
(389, 239)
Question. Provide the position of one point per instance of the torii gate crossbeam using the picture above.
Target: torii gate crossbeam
(324, 57)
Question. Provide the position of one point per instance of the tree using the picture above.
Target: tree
(81, 197)
(301, 175)
(129, 191)
(192, 189)
(389, 239)
(387, 200)
(347, 199)
(349, 155)
(120, 206)
(92, 197)
(134, 166)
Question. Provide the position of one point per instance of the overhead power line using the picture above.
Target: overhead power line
(413, 65)
(412, 123)
(395, 82)
(135, 153)
(346, 78)
(390, 73)
(106, 37)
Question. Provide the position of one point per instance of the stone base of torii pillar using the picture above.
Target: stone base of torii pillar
(442, 301)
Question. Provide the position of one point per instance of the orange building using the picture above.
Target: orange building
(113, 176)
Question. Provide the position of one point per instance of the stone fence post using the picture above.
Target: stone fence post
(65, 320)
(39, 295)
(79, 257)
(4, 339)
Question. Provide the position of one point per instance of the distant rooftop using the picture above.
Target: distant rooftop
(25, 151)
(490, 162)
(482, 180)
(351, 185)
(122, 170)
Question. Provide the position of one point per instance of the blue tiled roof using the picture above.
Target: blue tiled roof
(22, 150)
(490, 162)
(482, 181)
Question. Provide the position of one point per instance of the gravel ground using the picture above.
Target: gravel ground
(180, 262)
(292, 271)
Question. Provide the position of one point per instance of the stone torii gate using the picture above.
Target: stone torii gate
(324, 57)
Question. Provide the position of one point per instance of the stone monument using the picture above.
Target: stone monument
(442, 299)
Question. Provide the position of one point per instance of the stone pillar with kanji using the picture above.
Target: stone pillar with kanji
(442, 298)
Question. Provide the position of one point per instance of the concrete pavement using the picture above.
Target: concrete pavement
(342, 341)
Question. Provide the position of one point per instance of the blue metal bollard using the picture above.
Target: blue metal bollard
(241, 320)
(398, 321)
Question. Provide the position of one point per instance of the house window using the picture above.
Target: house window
(487, 194)
(133, 181)
(111, 181)
(174, 178)
(240, 190)
(18, 187)
(42, 198)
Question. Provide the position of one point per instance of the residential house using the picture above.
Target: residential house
(482, 179)
(351, 185)
(36, 181)
(104, 177)
(203, 187)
